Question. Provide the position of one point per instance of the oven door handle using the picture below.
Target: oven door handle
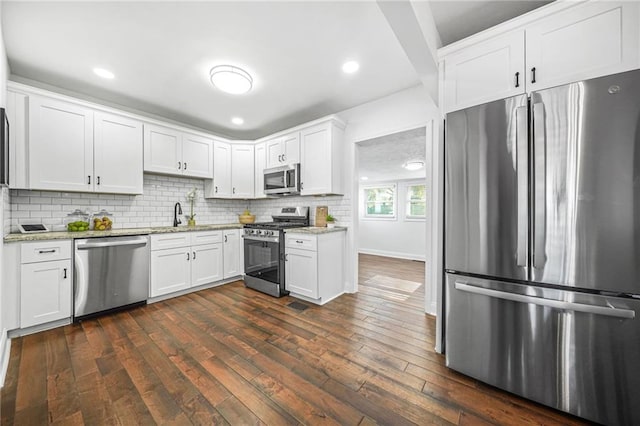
(266, 239)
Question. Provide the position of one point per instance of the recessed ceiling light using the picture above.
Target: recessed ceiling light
(350, 67)
(364, 178)
(237, 120)
(231, 79)
(413, 165)
(101, 72)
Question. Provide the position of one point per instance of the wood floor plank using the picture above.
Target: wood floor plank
(231, 355)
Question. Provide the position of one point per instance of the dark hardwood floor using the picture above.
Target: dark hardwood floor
(230, 355)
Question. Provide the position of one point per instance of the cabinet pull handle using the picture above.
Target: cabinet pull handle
(98, 180)
(286, 257)
(65, 273)
(89, 180)
(299, 242)
(225, 238)
(301, 186)
(533, 74)
(194, 255)
(518, 79)
(185, 166)
(284, 157)
(234, 190)
(47, 251)
(188, 257)
(279, 157)
(216, 189)
(179, 165)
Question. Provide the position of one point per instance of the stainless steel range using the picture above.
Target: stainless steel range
(264, 250)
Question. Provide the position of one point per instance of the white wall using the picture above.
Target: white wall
(398, 237)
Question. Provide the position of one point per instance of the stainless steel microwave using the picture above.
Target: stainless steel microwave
(283, 180)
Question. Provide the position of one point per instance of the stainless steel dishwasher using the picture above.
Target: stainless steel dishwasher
(110, 273)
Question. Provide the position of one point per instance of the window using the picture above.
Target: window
(380, 201)
(416, 202)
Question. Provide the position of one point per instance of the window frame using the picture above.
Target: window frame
(363, 193)
(407, 202)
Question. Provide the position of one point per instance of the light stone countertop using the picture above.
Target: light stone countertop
(316, 230)
(64, 235)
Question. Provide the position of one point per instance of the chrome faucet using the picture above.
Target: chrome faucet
(177, 211)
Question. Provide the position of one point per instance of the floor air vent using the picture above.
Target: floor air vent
(298, 306)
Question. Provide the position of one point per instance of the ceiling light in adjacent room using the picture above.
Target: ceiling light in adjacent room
(101, 72)
(231, 79)
(237, 120)
(413, 165)
(350, 67)
(364, 178)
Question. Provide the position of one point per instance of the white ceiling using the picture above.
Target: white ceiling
(161, 53)
(381, 159)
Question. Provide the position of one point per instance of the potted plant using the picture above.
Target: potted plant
(331, 221)
(191, 197)
(246, 216)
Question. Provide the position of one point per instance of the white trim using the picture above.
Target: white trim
(5, 353)
(315, 301)
(394, 254)
(19, 332)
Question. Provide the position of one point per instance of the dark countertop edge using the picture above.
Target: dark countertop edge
(64, 235)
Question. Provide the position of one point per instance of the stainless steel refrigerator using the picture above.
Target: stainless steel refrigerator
(542, 246)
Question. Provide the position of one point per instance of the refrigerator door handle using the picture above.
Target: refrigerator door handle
(539, 191)
(522, 162)
(556, 304)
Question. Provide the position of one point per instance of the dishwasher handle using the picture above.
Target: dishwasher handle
(102, 244)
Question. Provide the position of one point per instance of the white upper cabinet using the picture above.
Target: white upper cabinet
(171, 151)
(585, 41)
(197, 156)
(60, 145)
(485, 72)
(233, 171)
(117, 154)
(260, 156)
(565, 42)
(321, 159)
(242, 171)
(283, 150)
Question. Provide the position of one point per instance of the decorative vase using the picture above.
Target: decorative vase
(191, 222)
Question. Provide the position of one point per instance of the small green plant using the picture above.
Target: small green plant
(330, 218)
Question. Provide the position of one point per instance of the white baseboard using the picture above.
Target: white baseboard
(5, 352)
(397, 255)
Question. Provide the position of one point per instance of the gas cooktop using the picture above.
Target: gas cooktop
(276, 225)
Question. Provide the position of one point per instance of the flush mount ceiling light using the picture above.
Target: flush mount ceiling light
(350, 67)
(231, 79)
(237, 120)
(101, 72)
(413, 165)
(364, 178)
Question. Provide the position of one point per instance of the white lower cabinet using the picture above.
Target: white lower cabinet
(232, 253)
(180, 261)
(45, 282)
(314, 266)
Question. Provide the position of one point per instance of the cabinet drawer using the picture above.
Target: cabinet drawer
(301, 241)
(44, 251)
(206, 237)
(170, 240)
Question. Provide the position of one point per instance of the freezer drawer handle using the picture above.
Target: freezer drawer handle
(87, 246)
(557, 304)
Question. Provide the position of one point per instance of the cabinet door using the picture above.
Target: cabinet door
(45, 292)
(301, 272)
(259, 166)
(162, 150)
(586, 41)
(118, 148)
(485, 72)
(275, 149)
(291, 145)
(206, 264)
(60, 145)
(197, 156)
(221, 170)
(17, 111)
(231, 246)
(170, 270)
(242, 171)
(315, 167)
